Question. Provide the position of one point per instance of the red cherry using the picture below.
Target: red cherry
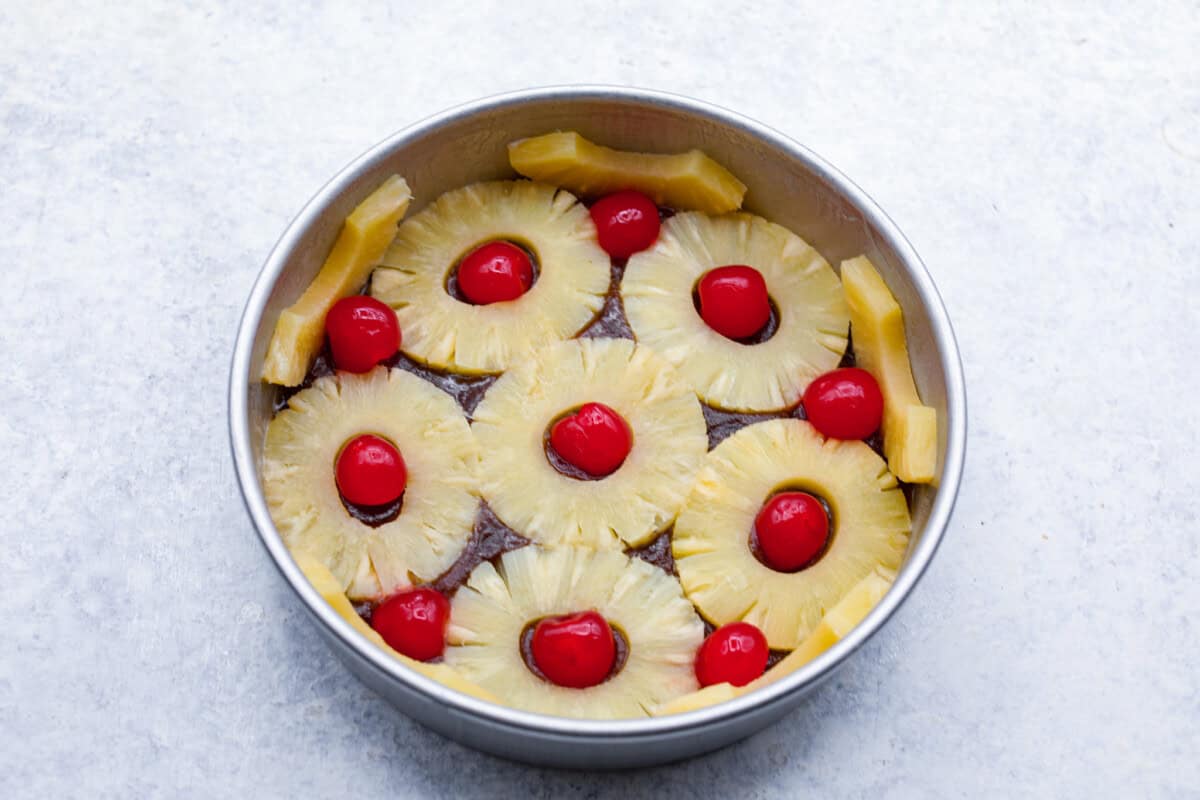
(494, 272)
(735, 653)
(734, 301)
(370, 471)
(844, 404)
(594, 438)
(792, 529)
(626, 223)
(577, 650)
(362, 332)
(414, 622)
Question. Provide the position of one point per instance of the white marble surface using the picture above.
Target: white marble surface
(1045, 162)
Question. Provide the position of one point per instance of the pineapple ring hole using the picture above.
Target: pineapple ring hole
(564, 467)
(763, 334)
(371, 516)
(752, 539)
(451, 281)
(525, 646)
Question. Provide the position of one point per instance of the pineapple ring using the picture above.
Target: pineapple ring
(630, 505)
(711, 538)
(490, 612)
(440, 500)
(813, 318)
(450, 334)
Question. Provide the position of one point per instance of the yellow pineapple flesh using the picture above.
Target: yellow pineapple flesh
(811, 310)
(880, 347)
(631, 505)
(330, 589)
(364, 237)
(646, 605)
(834, 626)
(437, 514)
(690, 180)
(702, 698)
(711, 540)
(447, 333)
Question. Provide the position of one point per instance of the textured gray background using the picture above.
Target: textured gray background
(1045, 163)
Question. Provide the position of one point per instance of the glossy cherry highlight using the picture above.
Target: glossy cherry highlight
(735, 653)
(577, 650)
(792, 530)
(362, 332)
(370, 471)
(626, 223)
(734, 301)
(844, 404)
(595, 439)
(413, 622)
(495, 272)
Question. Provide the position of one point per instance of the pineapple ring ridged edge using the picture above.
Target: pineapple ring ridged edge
(440, 500)
(490, 612)
(450, 334)
(631, 505)
(711, 537)
(813, 316)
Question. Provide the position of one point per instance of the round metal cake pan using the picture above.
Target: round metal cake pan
(787, 183)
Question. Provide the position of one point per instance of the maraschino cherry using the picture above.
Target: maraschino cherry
(370, 471)
(792, 530)
(844, 404)
(577, 650)
(362, 332)
(735, 653)
(626, 223)
(495, 272)
(413, 622)
(595, 439)
(734, 301)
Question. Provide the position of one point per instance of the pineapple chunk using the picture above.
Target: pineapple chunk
(877, 325)
(834, 626)
(688, 180)
(365, 236)
(324, 582)
(708, 696)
